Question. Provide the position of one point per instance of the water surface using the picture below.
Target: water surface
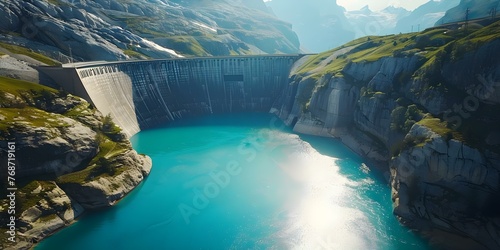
(242, 182)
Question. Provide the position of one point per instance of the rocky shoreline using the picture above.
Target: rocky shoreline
(60, 205)
(467, 232)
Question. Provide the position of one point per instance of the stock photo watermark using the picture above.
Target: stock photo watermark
(248, 147)
(11, 191)
(211, 190)
(71, 161)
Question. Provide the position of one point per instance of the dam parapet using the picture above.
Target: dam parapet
(144, 94)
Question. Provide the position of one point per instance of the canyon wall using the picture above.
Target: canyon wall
(425, 114)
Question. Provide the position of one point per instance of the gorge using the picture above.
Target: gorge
(244, 180)
(386, 107)
(420, 109)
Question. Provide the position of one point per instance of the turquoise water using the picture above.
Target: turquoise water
(241, 182)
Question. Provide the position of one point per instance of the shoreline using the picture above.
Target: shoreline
(81, 215)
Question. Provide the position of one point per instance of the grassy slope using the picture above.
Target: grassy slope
(27, 52)
(17, 87)
(19, 111)
(26, 92)
(431, 45)
(426, 43)
(107, 149)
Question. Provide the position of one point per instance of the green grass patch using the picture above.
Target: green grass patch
(18, 113)
(413, 142)
(78, 111)
(368, 49)
(433, 47)
(58, 2)
(16, 87)
(187, 44)
(27, 52)
(441, 128)
(142, 25)
(107, 149)
(314, 61)
(27, 198)
(474, 40)
(134, 54)
(13, 118)
(359, 41)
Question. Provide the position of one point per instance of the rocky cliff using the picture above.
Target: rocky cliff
(423, 108)
(118, 30)
(68, 157)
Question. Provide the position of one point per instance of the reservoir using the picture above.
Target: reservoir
(244, 181)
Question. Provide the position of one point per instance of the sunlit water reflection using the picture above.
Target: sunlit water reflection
(237, 182)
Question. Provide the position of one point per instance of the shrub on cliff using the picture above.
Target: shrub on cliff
(110, 129)
(403, 118)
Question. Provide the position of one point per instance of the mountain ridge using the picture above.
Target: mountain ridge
(117, 30)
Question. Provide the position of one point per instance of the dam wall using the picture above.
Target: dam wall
(144, 94)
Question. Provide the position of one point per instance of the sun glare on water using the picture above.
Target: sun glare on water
(323, 215)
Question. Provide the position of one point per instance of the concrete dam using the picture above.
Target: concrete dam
(144, 94)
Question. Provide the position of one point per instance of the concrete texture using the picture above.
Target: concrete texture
(144, 94)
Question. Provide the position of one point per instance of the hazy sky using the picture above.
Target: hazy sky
(378, 4)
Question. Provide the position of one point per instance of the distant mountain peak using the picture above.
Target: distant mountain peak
(366, 8)
(395, 10)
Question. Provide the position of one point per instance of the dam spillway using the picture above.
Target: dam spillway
(143, 94)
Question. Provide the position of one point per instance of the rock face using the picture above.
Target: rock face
(449, 185)
(105, 191)
(52, 209)
(88, 161)
(118, 30)
(427, 120)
